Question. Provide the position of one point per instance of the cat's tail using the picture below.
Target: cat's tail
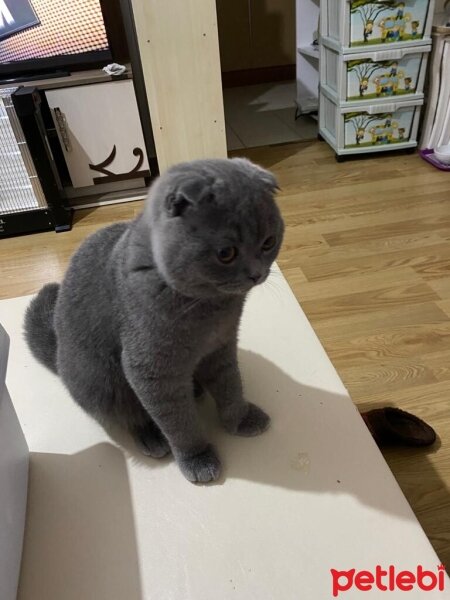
(39, 328)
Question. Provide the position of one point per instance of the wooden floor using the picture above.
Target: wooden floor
(367, 253)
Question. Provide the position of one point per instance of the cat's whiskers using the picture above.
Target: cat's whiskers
(271, 285)
(275, 273)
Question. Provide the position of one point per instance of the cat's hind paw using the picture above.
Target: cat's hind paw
(201, 468)
(151, 442)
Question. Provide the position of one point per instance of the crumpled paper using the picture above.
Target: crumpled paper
(114, 69)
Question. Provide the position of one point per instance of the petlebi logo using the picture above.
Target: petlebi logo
(388, 580)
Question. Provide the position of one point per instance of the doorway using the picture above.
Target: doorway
(257, 40)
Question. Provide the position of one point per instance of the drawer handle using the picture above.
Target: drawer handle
(382, 108)
(390, 55)
(61, 122)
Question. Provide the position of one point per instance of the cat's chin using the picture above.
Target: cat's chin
(240, 288)
(209, 290)
(235, 289)
(203, 291)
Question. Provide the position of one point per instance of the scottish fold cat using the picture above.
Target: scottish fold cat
(149, 306)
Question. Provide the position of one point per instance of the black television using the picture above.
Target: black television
(40, 37)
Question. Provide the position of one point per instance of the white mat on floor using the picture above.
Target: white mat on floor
(310, 495)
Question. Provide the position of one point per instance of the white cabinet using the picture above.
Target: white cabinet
(373, 58)
(100, 132)
(370, 78)
(307, 26)
(354, 25)
(374, 128)
(13, 484)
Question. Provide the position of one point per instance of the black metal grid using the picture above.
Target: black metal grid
(20, 188)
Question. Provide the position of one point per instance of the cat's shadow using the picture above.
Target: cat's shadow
(317, 442)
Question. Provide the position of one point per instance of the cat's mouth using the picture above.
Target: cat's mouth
(239, 287)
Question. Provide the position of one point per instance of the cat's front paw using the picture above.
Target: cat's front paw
(201, 468)
(256, 421)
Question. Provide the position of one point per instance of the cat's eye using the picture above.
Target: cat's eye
(227, 255)
(269, 243)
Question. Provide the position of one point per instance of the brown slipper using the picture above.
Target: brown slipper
(393, 426)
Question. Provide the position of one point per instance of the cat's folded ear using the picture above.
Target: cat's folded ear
(263, 175)
(177, 204)
(269, 180)
(188, 194)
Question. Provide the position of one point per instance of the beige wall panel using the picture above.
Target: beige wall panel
(179, 47)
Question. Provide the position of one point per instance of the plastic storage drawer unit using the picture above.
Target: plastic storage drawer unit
(362, 129)
(373, 78)
(354, 25)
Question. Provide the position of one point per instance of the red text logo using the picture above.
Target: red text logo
(388, 580)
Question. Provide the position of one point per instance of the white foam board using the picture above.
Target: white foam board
(310, 495)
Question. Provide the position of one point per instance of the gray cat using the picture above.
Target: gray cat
(150, 306)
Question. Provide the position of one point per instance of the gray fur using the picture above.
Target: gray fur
(146, 307)
(39, 330)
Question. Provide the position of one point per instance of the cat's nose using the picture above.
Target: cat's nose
(255, 277)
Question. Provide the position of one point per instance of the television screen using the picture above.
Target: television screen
(42, 29)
